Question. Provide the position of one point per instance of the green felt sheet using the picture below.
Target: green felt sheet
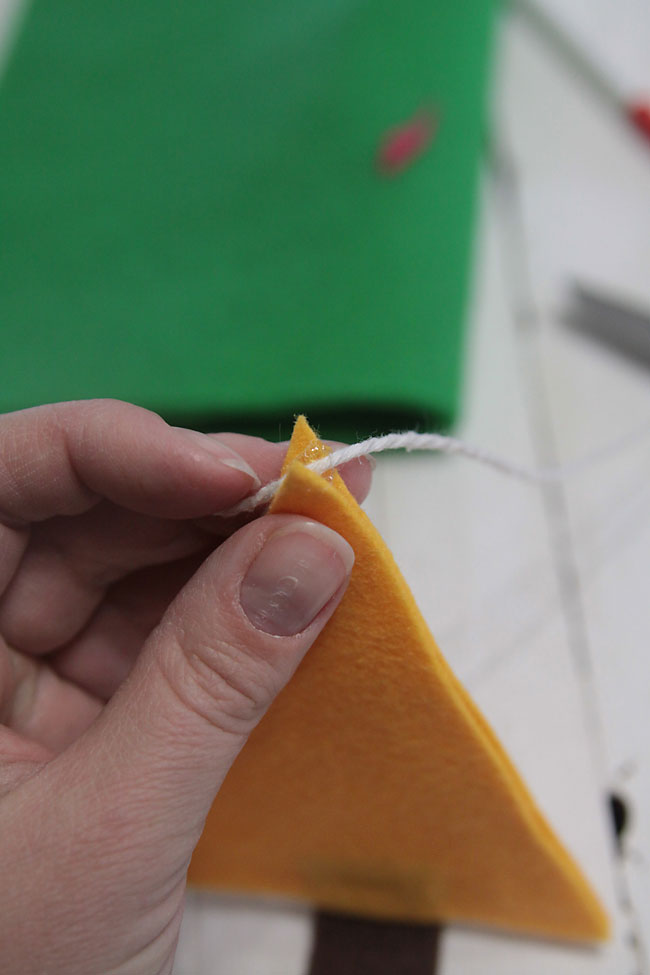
(192, 218)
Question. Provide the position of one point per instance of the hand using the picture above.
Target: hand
(135, 659)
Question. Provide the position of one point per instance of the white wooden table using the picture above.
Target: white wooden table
(539, 597)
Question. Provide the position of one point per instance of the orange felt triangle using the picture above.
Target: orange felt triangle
(374, 785)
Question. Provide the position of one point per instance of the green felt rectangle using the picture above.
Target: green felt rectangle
(193, 219)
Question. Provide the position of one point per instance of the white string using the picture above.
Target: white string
(411, 441)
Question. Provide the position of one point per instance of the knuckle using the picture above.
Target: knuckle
(225, 685)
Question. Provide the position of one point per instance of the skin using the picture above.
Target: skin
(130, 672)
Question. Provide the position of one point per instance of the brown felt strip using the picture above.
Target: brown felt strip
(346, 945)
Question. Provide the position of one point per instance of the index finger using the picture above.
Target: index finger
(62, 459)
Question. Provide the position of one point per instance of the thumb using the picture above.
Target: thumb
(102, 835)
(227, 645)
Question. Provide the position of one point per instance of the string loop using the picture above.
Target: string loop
(411, 441)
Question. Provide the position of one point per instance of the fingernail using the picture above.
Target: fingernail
(225, 455)
(294, 576)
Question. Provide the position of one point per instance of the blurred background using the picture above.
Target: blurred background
(431, 215)
(216, 211)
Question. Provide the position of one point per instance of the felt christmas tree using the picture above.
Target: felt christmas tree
(374, 786)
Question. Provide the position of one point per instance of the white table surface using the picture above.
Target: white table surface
(537, 596)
